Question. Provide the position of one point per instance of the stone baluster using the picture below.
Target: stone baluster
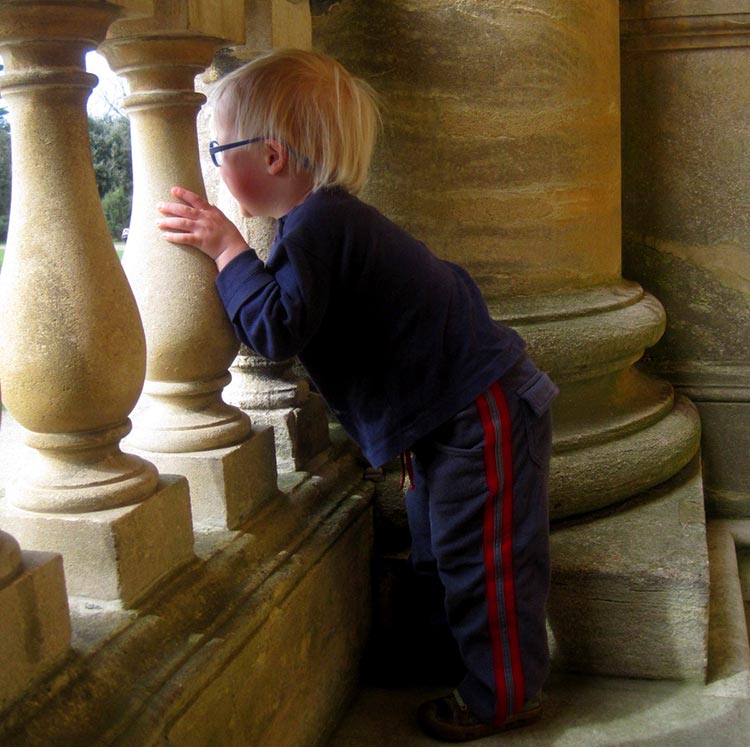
(274, 394)
(73, 353)
(503, 154)
(34, 619)
(271, 393)
(181, 423)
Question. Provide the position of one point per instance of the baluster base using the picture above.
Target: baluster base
(226, 485)
(34, 624)
(117, 554)
(79, 472)
(301, 432)
(183, 417)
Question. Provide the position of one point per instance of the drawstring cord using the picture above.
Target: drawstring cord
(406, 470)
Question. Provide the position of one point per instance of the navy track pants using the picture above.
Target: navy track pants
(478, 515)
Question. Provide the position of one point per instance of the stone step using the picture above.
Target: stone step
(630, 587)
(629, 596)
(728, 671)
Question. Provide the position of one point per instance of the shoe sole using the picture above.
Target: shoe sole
(448, 733)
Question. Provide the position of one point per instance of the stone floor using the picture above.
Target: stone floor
(579, 712)
(587, 711)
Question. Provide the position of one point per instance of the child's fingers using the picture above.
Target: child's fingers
(191, 198)
(179, 238)
(177, 224)
(171, 208)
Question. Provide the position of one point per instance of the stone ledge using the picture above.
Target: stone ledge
(211, 630)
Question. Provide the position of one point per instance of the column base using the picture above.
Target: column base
(630, 589)
(226, 485)
(301, 433)
(721, 393)
(34, 624)
(119, 554)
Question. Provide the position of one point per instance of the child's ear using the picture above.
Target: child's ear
(276, 157)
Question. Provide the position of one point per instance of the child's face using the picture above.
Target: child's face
(244, 172)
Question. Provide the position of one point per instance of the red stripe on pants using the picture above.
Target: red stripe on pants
(499, 581)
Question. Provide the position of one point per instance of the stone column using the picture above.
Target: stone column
(686, 177)
(72, 356)
(34, 620)
(501, 150)
(182, 423)
(271, 393)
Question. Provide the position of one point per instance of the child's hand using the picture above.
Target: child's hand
(196, 222)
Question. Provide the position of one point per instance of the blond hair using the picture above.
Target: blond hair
(327, 118)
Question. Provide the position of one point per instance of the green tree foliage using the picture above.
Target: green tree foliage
(110, 150)
(4, 177)
(116, 204)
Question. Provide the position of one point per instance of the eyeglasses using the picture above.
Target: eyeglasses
(216, 150)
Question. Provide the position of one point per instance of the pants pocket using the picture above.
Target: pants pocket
(537, 396)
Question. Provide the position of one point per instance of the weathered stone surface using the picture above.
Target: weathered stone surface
(686, 227)
(501, 131)
(117, 554)
(273, 393)
(258, 643)
(303, 661)
(226, 485)
(300, 433)
(630, 590)
(72, 352)
(728, 671)
(34, 624)
(188, 353)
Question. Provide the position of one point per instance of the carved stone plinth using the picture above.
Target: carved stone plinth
(116, 554)
(34, 620)
(226, 485)
(630, 590)
(273, 394)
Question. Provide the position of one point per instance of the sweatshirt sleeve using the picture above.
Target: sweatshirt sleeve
(275, 308)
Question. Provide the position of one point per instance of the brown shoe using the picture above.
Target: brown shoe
(449, 719)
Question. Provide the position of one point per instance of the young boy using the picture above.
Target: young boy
(402, 347)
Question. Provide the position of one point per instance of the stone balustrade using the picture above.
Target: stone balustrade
(182, 423)
(89, 342)
(72, 357)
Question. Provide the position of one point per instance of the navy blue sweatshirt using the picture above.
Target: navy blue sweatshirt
(396, 340)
